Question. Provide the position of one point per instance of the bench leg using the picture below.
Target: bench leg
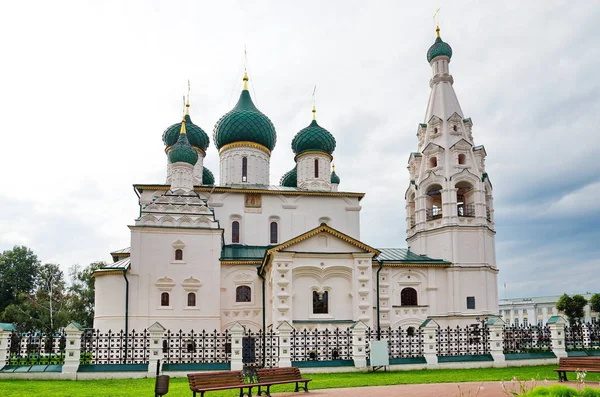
(298, 387)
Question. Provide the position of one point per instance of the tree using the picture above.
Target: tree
(572, 306)
(18, 272)
(595, 303)
(82, 293)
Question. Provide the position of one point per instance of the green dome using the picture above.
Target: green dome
(196, 135)
(313, 137)
(182, 151)
(207, 177)
(245, 123)
(439, 48)
(335, 178)
(289, 179)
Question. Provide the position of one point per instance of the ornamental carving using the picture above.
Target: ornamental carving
(243, 276)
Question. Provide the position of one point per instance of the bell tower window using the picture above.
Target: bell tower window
(408, 297)
(164, 299)
(434, 202)
(433, 162)
(273, 233)
(320, 302)
(462, 159)
(244, 169)
(464, 199)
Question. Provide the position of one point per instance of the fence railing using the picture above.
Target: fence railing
(114, 347)
(36, 349)
(582, 336)
(321, 345)
(196, 347)
(402, 343)
(526, 339)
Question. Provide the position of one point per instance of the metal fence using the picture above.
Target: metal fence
(321, 345)
(260, 349)
(196, 347)
(582, 336)
(526, 339)
(114, 347)
(35, 348)
(402, 343)
(462, 341)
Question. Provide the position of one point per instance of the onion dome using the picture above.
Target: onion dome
(439, 48)
(290, 178)
(207, 177)
(313, 137)
(334, 177)
(182, 151)
(196, 135)
(245, 123)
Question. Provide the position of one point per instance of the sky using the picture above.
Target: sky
(88, 87)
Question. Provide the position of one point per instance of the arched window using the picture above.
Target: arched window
(464, 199)
(434, 202)
(462, 159)
(235, 232)
(433, 162)
(410, 331)
(243, 293)
(244, 169)
(191, 299)
(178, 254)
(316, 168)
(164, 299)
(273, 232)
(320, 302)
(408, 297)
(411, 210)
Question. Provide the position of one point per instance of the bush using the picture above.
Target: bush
(562, 391)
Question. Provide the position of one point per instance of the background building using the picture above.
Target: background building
(537, 310)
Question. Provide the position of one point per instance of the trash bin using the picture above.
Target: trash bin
(162, 385)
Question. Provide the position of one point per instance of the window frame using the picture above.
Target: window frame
(316, 168)
(322, 299)
(238, 293)
(273, 232)
(471, 303)
(412, 300)
(245, 169)
(195, 299)
(165, 297)
(235, 231)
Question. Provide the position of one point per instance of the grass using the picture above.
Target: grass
(562, 391)
(179, 386)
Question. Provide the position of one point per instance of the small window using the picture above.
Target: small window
(243, 293)
(433, 162)
(525, 322)
(470, 302)
(316, 168)
(408, 297)
(178, 254)
(244, 169)
(320, 302)
(410, 331)
(273, 232)
(435, 130)
(454, 127)
(235, 232)
(191, 299)
(164, 299)
(462, 158)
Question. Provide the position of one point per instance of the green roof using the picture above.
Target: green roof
(290, 178)
(245, 123)
(196, 135)
(335, 178)
(403, 255)
(439, 48)
(236, 252)
(313, 137)
(182, 152)
(207, 177)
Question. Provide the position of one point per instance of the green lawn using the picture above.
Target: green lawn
(179, 386)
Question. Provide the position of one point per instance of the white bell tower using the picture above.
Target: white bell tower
(449, 202)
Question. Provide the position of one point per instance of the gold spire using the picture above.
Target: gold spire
(332, 167)
(187, 101)
(437, 31)
(245, 81)
(314, 108)
(182, 131)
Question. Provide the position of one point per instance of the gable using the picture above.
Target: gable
(462, 144)
(323, 243)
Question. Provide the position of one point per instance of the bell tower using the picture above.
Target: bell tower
(449, 201)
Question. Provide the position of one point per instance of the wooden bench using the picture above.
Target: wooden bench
(268, 377)
(576, 364)
(223, 380)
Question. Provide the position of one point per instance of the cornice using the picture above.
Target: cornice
(308, 152)
(253, 145)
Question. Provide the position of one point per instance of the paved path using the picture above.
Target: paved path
(471, 389)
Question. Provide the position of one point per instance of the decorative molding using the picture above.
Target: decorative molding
(244, 144)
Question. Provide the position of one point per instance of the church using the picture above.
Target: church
(206, 255)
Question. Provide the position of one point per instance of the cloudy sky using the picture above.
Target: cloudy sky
(87, 88)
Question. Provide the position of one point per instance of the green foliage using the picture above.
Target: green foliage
(595, 303)
(562, 391)
(18, 272)
(82, 293)
(572, 306)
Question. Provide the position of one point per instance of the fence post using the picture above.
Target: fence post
(6, 330)
(237, 334)
(557, 335)
(359, 344)
(285, 343)
(73, 333)
(430, 329)
(495, 327)
(157, 333)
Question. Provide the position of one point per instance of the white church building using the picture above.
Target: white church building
(205, 255)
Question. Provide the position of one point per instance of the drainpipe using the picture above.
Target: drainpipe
(378, 316)
(264, 319)
(139, 203)
(126, 310)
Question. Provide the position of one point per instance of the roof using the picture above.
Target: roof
(119, 266)
(403, 255)
(236, 252)
(255, 188)
(536, 299)
(122, 251)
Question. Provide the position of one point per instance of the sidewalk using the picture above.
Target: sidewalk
(485, 389)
